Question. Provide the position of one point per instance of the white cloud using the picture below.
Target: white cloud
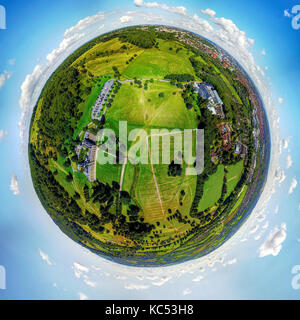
(120, 277)
(125, 19)
(133, 286)
(209, 12)
(162, 281)
(273, 244)
(138, 3)
(46, 258)
(285, 142)
(232, 261)
(198, 278)
(82, 296)
(90, 282)
(65, 44)
(293, 185)
(261, 218)
(286, 13)
(186, 291)
(280, 100)
(232, 35)
(28, 92)
(280, 176)
(254, 229)
(14, 185)
(85, 23)
(79, 269)
(4, 77)
(265, 226)
(180, 9)
(263, 52)
(205, 26)
(289, 161)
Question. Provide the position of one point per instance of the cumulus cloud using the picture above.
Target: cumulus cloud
(89, 282)
(198, 278)
(285, 142)
(85, 23)
(46, 258)
(82, 296)
(28, 94)
(133, 286)
(205, 26)
(180, 9)
(125, 19)
(266, 225)
(280, 176)
(231, 35)
(254, 229)
(162, 281)
(289, 161)
(65, 44)
(79, 269)
(273, 244)
(209, 12)
(293, 185)
(14, 185)
(4, 77)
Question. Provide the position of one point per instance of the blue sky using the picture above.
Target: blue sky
(42, 263)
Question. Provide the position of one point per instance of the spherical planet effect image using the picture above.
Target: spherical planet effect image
(114, 139)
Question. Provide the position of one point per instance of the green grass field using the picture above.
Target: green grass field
(145, 108)
(212, 189)
(233, 176)
(157, 63)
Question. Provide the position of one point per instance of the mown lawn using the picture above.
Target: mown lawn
(145, 108)
(212, 189)
(233, 176)
(157, 63)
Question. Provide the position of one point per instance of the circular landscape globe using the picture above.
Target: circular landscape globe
(149, 146)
